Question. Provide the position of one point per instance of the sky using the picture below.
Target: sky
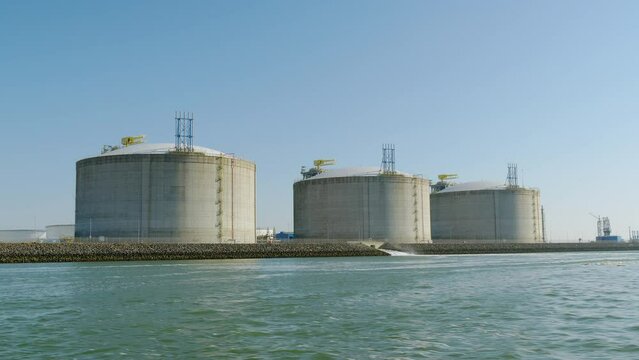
(458, 86)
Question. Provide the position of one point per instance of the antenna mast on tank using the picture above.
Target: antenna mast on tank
(511, 179)
(183, 131)
(388, 159)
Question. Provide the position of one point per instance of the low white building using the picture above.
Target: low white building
(22, 236)
(57, 233)
(265, 234)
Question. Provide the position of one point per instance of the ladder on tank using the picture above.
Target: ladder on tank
(415, 210)
(218, 201)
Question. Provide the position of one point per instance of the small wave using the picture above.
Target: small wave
(396, 253)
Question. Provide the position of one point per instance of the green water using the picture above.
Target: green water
(533, 306)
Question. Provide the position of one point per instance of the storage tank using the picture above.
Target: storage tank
(362, 204)
(154, 193)
(478, 212)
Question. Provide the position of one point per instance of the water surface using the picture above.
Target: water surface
(521, 306)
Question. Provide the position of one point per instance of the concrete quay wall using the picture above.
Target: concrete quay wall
(505, 248)
(81, 252)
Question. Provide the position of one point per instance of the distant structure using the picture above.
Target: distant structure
(265, 234)
(362, 204)
(165, 193)
(282, 235)
(604, 230)
(485, 212)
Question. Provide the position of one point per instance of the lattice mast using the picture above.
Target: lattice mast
(388, 159)
(511, 178)
(183, 131)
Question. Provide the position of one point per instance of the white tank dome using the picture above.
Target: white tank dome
(163, 148)
(351, 171)
(474, 186)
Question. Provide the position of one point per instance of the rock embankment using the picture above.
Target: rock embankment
(75, 252)
(505, 248)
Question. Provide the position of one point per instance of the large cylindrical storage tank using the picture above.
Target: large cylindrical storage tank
(362, 204)
(479, 212)
(152, 193)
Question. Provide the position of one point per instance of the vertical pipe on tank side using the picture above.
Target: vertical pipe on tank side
(422, 211)
(536, 218)
(368, 206)
(147, 198)
(233, 199)
(141, 200)
(495, 213)
(254, 207)
(362, 212)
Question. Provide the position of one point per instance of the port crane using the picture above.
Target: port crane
(603, 225)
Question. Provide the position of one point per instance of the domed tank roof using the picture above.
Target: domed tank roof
(351, 171)
(163, 148)
(474, 186)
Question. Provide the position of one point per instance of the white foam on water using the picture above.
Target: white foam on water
(396, 253)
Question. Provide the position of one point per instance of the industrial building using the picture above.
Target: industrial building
(362, 204)
(476, 212)
(165, 193)
(53, 233)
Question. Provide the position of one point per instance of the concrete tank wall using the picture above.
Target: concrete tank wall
(169, 197)
(512, 215)
(392, 208)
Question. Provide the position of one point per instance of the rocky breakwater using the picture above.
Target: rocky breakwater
(505, 248)
(73, 252)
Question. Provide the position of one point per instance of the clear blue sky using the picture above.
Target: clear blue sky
(458, 86)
